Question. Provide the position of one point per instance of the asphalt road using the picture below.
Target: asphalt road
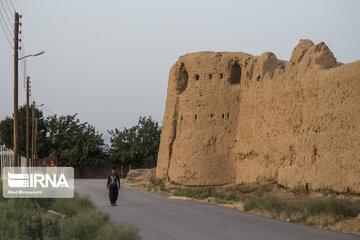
(160, 218)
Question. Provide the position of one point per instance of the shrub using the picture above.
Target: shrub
(71, 206)
(84, 225)
(20, 217)
(51, 227)
(162, 187)
(244, 189)
(232, 197)
(263, 204)
(340, 207)
(118, 232)
(28, 219)
(156, 181)
(300, 190)
(198, 193)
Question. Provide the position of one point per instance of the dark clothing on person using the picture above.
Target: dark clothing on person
(113, 193)
(113, 179)
(113, 185)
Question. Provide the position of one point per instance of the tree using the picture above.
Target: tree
(7, 133)
(72, 142)
(137, 145)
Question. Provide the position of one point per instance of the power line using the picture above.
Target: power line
(7, 27)
(12, 5)
(12, 15)
(7, 16)
(47, 110)
(6, 34)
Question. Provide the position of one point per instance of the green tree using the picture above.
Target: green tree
(137, 145)
(72, 142)
(6, 132)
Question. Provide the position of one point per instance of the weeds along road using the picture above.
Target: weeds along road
(160, 218)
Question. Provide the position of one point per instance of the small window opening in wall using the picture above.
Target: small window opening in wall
(228, 115)
(211, 115)
(210, 76)
(306, 187)
(223, 115)
(197, 77)
(221, 75)
(195, 116)
(258, 78)
(181, 118)
(235, 74)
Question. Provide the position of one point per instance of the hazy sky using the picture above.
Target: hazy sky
(109, 60)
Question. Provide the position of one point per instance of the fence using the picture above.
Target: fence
(7, 158)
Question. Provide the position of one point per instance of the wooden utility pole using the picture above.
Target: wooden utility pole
(27, 121)
(16, 59)
(33, 134)
(36, 127)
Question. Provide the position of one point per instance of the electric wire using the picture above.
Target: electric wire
(12, 5)
(12, 15)
(6, 25)
(7, 16)
(47, 110)
(6, 34)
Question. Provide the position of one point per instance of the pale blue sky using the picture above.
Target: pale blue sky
(109, 60)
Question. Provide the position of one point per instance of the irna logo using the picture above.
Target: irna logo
(18, 180)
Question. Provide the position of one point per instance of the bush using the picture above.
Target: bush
(156, 181)
(118, 232)
(198, 193)
(71, 206)
(300, 190)
(51, 227)
(263, 204)
(244, 189)
(232, 197)
(84, 225)
(28, 219)
(20, 218)
(340, 207)
(162, 187)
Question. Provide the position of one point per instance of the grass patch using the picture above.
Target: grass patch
(263, 204)
(232, 197)
(338, 207)
(300, 190)
(156, 181)
(244, 189)
(199, 193)
(304, 209)
(28, 219)
(156, 185)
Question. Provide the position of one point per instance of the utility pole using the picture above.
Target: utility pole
(33, 134)
(36, 127)
(27, 121)
(16, 56)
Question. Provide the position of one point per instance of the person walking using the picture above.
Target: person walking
(113, 184)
